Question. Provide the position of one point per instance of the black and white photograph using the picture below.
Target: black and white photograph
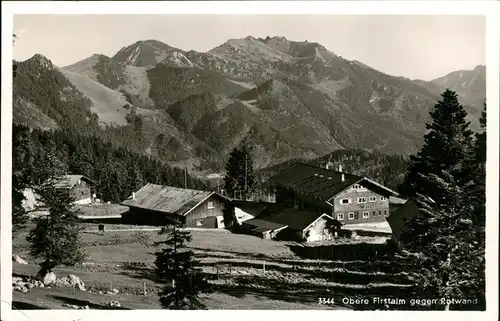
(249, 162)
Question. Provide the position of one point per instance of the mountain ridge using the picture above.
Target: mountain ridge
(281, 97)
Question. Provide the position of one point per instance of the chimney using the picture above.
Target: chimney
(133, 195)
(340, 168)
(326, 166)
(343, 177)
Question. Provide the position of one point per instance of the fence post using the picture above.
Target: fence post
(264, 267)
(217, 266)
(145, 293)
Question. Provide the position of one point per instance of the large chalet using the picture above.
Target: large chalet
(345, 197)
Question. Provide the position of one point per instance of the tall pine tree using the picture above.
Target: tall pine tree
(176, 268)
(446, 148)
(22, 164)
(55, 237)
(446, 243)
(240, 177)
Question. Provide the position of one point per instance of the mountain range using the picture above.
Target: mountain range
(283, 98)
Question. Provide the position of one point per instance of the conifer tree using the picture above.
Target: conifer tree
(22, 158)
(446, 243)
(447, 252)
(478, 174)
(55, 238)
(240, 177)
(447, 145)
(176, 268)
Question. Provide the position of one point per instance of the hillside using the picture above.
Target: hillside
(284, 98)
(110, 106)
(46, 97)
(469, 84)
(130, 80)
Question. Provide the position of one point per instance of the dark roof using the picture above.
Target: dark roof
(167, 199)
(69, 181)
(261, 226)
(320, 183)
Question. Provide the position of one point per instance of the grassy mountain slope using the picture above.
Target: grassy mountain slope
(111, 106)
(130, 80)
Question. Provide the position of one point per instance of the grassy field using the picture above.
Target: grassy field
(246, 272)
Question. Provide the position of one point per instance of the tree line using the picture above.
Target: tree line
(116, 171)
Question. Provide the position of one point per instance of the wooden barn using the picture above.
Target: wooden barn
(158, 205)
(80, 187)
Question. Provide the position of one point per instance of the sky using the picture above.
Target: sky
(417, 47)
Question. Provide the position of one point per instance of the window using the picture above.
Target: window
(356, 186)
(361, 199)
(210, 205)
(382, 198)
(374, 213)
(340, 216)
(345, 201)
(351, 216)
(373, 198)
(385, 212)
(366, 214)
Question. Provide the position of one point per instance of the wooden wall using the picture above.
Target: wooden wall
(204, 217)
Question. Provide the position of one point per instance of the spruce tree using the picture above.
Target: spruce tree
(446, 242)
(176, 268)
(55, 238)
(240, 176)
(447, 253)
(22, 161)
(447, 145)
(477, 187)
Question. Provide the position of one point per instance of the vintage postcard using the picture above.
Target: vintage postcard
(215, 156)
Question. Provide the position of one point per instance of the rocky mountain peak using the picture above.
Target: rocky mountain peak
(42, 61)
